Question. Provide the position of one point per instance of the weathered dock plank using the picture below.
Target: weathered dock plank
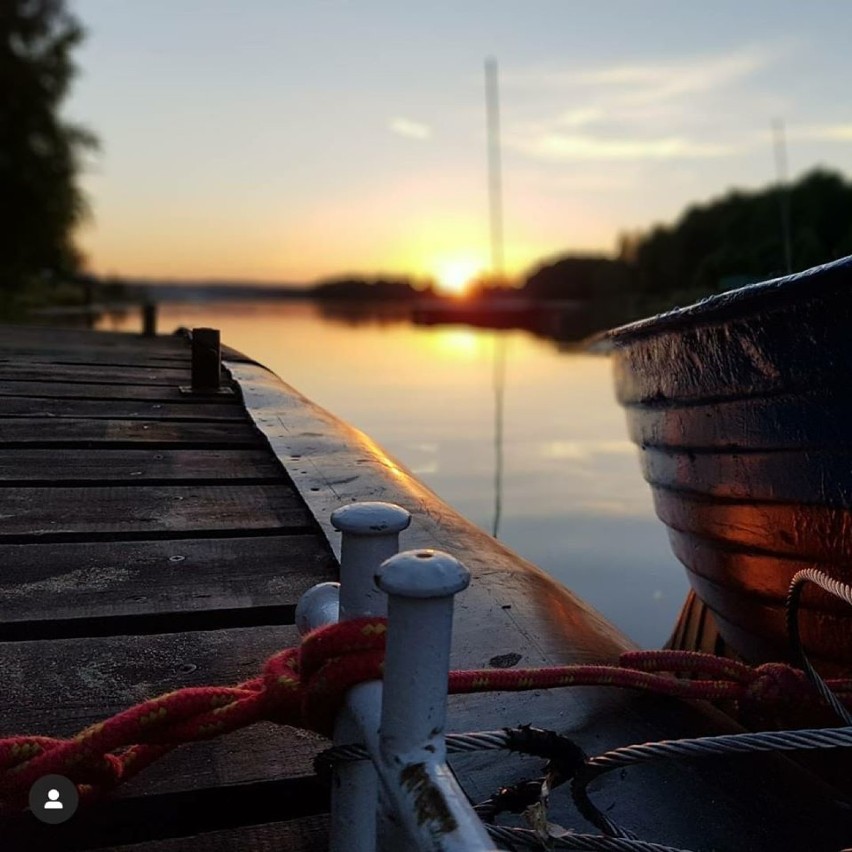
(82, 431)
(97, 373)
(51, 339)
(126, 409)
(65, 685)
(97, 588)
(116, 391)
(91, 356)
(79, 466)
(118, 509)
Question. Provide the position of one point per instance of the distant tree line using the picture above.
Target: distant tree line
(728, 242)
(740, 236)
(353, 288)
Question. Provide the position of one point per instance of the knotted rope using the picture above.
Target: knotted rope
(305, 686)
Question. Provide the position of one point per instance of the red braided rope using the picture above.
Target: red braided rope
(305, 686)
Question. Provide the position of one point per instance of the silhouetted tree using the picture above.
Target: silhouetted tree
(738, 238)
(40, 201)
(361, 289)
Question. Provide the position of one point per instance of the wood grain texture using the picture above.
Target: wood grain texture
(126, 357)
(259, 774)
(88, 580)
(128, 409)
(70, 431)
(813, 421)
(696, 630)
(47, 389)
(778, 476)
(135, 466)
(149, 508)
(48, 337)
(769, 347)
(99, 373)
(58, 687)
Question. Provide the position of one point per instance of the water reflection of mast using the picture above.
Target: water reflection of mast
(495, 199)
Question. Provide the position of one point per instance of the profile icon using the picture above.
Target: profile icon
(53, 803)
(53, 799)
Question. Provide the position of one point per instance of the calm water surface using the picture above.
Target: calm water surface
(573, 500)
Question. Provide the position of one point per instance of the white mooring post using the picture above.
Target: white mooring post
(420, 586)
(318, 607)
(400, 720)
(370, 536)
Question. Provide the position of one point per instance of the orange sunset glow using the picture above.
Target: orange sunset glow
(456, 276)
(283, 166)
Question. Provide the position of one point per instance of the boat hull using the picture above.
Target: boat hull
(742, 412)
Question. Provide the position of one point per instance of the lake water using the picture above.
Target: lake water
(572, 499)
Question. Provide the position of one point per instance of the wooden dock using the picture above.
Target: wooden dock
(149, 540)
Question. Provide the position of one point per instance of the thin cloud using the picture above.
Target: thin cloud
(410, 129)
(555, 146)
(824, 132)
(638, 111)
(650, 81)
(580, 117)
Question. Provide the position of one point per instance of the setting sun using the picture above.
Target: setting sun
(455, 276)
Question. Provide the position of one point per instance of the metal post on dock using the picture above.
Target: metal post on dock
(400, 719)
(149, 319)
(206, 360)
(370, 536)
(421, 586)
(206, 364)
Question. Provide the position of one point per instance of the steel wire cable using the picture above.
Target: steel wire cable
(803, 739)
(456, 744)
(617, 838)
(589, 842)
(794, 595)
(795, 740)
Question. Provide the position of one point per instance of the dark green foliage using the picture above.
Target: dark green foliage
(40, 202)
(739, 238)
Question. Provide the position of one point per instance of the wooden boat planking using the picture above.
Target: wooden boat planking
(741, 409)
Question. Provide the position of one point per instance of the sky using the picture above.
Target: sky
(293, 140)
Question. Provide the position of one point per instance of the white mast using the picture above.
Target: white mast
(495, 193)
(495, 204)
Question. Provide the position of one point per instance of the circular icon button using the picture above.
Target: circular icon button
(53, 799)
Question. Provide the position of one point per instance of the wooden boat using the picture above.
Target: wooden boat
(740, 405)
